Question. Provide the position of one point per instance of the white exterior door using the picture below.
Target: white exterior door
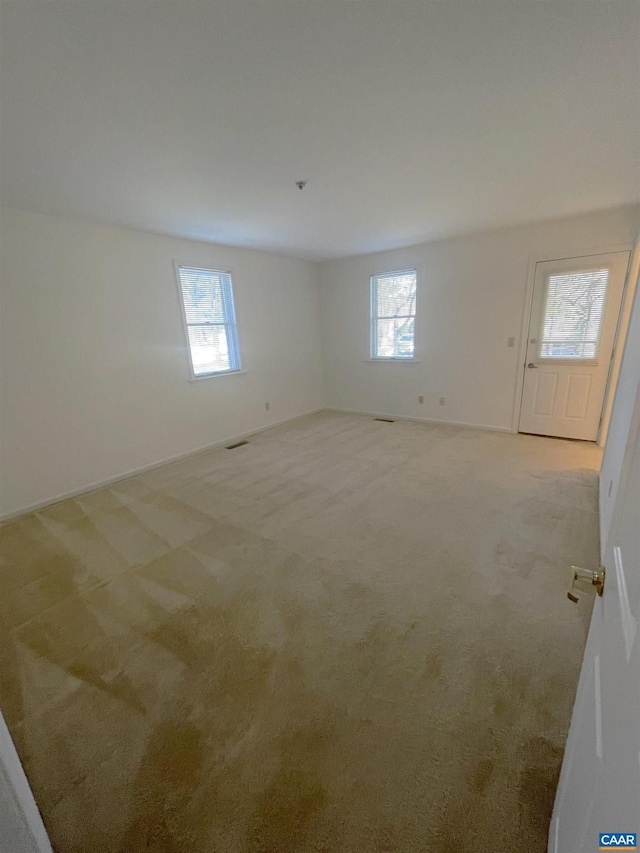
(599, 789)
(574, 317)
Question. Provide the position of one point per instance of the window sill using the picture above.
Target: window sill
(217, 375)
(576, 362)
(393, 360)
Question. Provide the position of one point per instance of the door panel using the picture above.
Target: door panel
(583, 756)
(578, 393)
(574, 317)
(599, 789)
(545, 394)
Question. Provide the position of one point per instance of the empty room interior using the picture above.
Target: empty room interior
(319, 426)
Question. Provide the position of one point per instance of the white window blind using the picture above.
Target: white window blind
(573, 313)
(393, 312)
(207, 298)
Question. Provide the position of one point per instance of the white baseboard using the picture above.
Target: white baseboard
(442, 422)
(101, 484)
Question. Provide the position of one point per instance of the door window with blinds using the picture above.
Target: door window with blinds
(572, 316)
(210, 321)
(393, 315)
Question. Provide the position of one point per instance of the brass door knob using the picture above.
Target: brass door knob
(587, 577)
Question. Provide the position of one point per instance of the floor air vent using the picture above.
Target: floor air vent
(385, 420)
(238, 444)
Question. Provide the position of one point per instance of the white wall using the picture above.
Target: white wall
(94, 367)
(471, 298)
(95, 377)
(626, 390)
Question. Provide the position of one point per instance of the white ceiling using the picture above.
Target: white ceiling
(411, 121)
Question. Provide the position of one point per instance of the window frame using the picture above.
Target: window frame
(233, 340)
(575, 360)
(374, 317)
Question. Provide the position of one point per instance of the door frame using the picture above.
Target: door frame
(550, 256)
(16, 793)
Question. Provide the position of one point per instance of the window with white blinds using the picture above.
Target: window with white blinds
(210, 320)
(393, 314)
(573, 313)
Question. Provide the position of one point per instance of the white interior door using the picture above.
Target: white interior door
(599, 789)
(574, 317)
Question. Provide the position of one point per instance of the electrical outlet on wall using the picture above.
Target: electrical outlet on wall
(267, 406)
(421, 399)
(441, 401)
(511, 342)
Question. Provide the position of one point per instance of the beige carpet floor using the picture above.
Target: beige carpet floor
(346, 636)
